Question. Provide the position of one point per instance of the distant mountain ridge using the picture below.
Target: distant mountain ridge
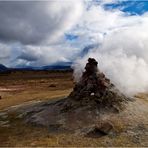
(56, 66)
(3, 68)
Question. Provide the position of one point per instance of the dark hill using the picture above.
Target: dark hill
(56, 66)
(3, 68)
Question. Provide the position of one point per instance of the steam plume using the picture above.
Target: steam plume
(123, 57)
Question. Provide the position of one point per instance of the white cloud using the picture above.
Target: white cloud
(44, 55)
(35, 30)
(5, 53)
(32, 22)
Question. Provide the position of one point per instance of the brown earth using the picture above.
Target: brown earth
(131, 125)
(21, 86)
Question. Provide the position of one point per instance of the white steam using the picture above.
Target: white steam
(123, 51)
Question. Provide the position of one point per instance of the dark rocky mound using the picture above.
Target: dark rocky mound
(95, 90)
(85, 109)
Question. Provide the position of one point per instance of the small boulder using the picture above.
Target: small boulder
(52, 85)
(106, 128)
(99, 131)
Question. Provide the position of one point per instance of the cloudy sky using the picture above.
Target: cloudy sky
(37, 33)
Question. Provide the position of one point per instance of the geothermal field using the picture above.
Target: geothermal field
(46, 108)
(73, 73)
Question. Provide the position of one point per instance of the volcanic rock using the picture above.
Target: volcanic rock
(95, 90)
(99, 131)
(52, 85)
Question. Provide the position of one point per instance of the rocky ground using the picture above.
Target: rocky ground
(127, 128)
(71, 121)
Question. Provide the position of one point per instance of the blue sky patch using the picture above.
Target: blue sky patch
(134, 7)
(71, 37)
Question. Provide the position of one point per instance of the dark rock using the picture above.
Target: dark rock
(106, 128)
(95, 87)
(99, 131)
(0, 97)
(52, 85)
(95, 133)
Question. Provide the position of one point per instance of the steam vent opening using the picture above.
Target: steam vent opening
(95, 90)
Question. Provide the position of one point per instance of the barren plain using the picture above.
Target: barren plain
(21, 87)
